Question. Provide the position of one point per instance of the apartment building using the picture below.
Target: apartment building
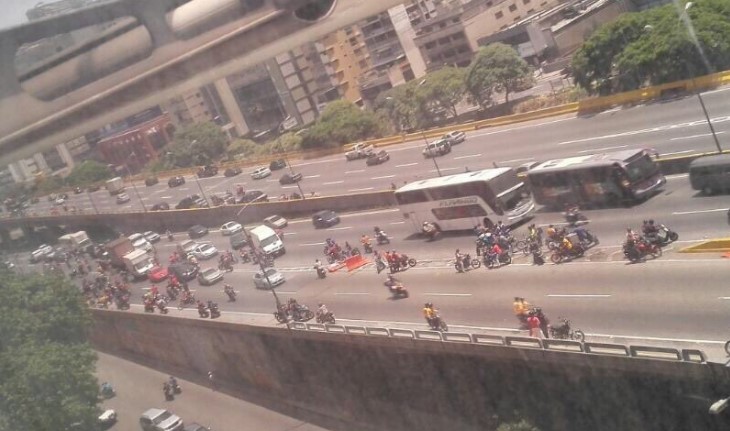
(349, 58)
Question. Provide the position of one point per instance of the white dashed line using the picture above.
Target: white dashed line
(448, 294)
(467, 157)
(716, 210)
(383, 177)
(355, 172)
(333, 182)
(593, 150)
(406, 165)
(312, 176)
(577, 295)
(702, 135)
(361, 190)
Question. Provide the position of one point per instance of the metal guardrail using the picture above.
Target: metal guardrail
(586, 348)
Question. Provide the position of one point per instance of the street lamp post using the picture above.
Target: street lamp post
(134, 186)
(93, 204)
(291, 171)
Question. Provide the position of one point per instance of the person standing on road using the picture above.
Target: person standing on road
(533, 323)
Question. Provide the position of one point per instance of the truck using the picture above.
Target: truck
(117, 249)
(76, 241)
(138, 263)
(266, 240)
(115, 186)
(359, 151)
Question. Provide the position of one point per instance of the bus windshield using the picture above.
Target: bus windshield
(640, 168)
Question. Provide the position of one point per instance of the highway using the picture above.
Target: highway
(140, 388)
(671, 127)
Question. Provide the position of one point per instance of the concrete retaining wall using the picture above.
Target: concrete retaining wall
(378, 382)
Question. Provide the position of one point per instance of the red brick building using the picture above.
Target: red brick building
(144, 140)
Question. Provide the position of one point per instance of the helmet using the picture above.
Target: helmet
(628, 229)
(425, 305)
(644, 222)
(651, 221)
(457, 250)
(320, 304)
(429, 304)
(425, 223)
(517, 298)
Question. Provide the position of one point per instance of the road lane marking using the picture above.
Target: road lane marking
(724, 298)
(383, 177)
(520, 127)
(578, 295)
(602, 149)
(397, 222)
(340, 228)
(527, 159)
(165, 197)
(355, 172)
(309, 244)
(333, 182)
(406, 165)
(289, 187)
(312, 176)
(392, 210)
(352, 293)
(361, 190)
(702, 135)
(448, 294)
(677, 152)
(675, 176)
(286, 292)
(700, 211)
(444, 169)
(469, 156)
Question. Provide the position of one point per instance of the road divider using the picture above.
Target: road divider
(354, 262)
(719, 245)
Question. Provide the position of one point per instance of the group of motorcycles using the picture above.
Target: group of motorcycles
(637, 247)
(293, 311)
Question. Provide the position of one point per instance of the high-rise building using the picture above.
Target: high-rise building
(349, 58)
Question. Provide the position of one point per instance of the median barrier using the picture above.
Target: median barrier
(606, 349)
(718, 245)
(694, 355)
(379, 332)
(527, 342)
(335, 329)
(297, 325)
(316, 327)
(428, 335)
(355, 330)
(496, 340)
(354, 262)
(562, 345)
(401, 333)
(661, 353)
(456, 337)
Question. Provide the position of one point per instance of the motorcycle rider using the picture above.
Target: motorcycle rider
(169, 235)
(202, 310)
(429, 229)
(380, 235)
(228, 289)
(521, 309)
(500, 229)
(319, 268)
(429, 314)
(322, 310)
(651, 232)
(459, 258)
(379, 261)
(365, 241)
(566, 246)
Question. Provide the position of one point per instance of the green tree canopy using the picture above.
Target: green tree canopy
(197, 144)
(285, 143)
(444, 89)
(241, 148)
(46, 364)
(497, 68)
(401, 105)
(655, 46)
(89, 171)
(340, 123)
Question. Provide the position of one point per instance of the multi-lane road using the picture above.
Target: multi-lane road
(672, 128)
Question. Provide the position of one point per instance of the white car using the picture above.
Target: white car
(41, 252)
(123, 198)
(230, 228)
(437, 148)
(455, 137)
(275, 278)
(140, 242)
(260, 172)
(204, 251)
(276, 222)
(152, 237)
(59, 201)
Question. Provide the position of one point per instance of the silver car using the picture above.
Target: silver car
(160, 420)
(274, 277)
(209, 276)
(205, 251)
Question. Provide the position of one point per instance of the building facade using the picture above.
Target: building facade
(137, 145)
(349, 58)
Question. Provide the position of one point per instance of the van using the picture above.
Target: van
(710, 174)
(265, 239)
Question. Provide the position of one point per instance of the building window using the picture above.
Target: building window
(498, 15)
(363, 64)
(353, 41)
(456, 20)
(430, 45)
(444, 41)
(512, 8)
(457, 36)
(517, 18)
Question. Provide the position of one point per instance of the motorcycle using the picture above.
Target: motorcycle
(586, 237)
(186, 300)
(564, 331)
(170, 237)
(404, 262)
(382, 238)
(326, 318)
(281, 315)
(664, 236)
(431, 232)
(149, 307)
(367, 247)
(438, 324)
(203, 312)
(123, 304)
(397, 289)
(302, 313)
(107, 391)
(225, 265)
(637, 251)
(231, 294)
(491, 260)
(162, 307)
(561, 254)
(214, 311)
(467, 263)
(321, 273)
(574, 217)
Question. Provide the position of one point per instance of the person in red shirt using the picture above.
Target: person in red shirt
(533, 322)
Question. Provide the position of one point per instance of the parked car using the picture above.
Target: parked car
(455, 137)
(276, 222)
(205, 251)
(160, 420)
(183, 270)
(325, 218)
(207, 171)
(61, 200)
(151, 181)
(277, 164)
(260, 172)
(176, 181)
(77, 191)
(232, 172)
(230, 228)
(381, 156)
(158, 274)
(253, 195)
(122, 198)
(197, 231)
(161, 206)
(437, 148)
(289, 178)
(209, 276)
(107, 418)
(152, 237)
(238, 240)
(274, 277)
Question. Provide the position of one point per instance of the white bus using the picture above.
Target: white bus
(463, 201)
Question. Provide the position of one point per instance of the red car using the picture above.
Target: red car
(157, 274)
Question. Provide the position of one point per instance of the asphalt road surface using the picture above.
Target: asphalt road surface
(671, 127)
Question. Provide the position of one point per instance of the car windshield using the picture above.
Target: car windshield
(162, 417)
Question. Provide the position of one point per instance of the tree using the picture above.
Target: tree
(46, 364)
(241, 148)
(89, 171)
(400, 106)
(497, 68)
(197, 144)
(443, 88)
(286, 143)
(50, 184)
(654, 47)
(479, 82)
(340, 123)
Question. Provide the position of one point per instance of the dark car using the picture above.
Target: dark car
(289, 178)
(381, 156)
(232, 172)
(93, 188)
(185, 203)
(162, 206)
(197, 231)
(207, 171)
(277, 164)
(253, 195)
(176, 181)
(151, 181)
(183, 270)
(238, 240)
(325, 218)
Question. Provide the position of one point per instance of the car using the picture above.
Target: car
(158, 274)
(151, 181)
(160, 420)
(93, 188)
(209, 276)
(455, 137)
(57, 255)
(183, 270)
(290, 178)
(381, 156)
(253, 196)
(196, 427)
(161, 206)
(204, 251)
(232, 172)
(199, 202)
(152, 237)
(325, 218)
(176, 181)
(238, 240)
(437, 148)
(187, 246)
(230, 228)
(185, 204)
(277, 164)
(59, 201)
(274, 277)
(197, 231)
(260, 172)
(122, 198)
(207, 171)
(107, 418)
(140, 242)
(40, 252)
(276, 222)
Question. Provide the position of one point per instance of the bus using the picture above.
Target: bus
(710, 174)
(621, 177)
(463, 201)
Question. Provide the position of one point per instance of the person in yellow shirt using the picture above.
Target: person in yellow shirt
(521, 308)
(428, 313)
(566, 244)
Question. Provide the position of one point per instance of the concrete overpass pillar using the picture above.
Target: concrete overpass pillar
(152, 15)
(231, 106)
(9, 84)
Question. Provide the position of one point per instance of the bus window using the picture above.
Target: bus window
(640, 169)
(443, 193)
(463, 211)
(411, 197)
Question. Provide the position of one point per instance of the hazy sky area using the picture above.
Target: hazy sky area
(13, 11)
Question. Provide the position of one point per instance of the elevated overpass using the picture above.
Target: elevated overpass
(154, 50)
